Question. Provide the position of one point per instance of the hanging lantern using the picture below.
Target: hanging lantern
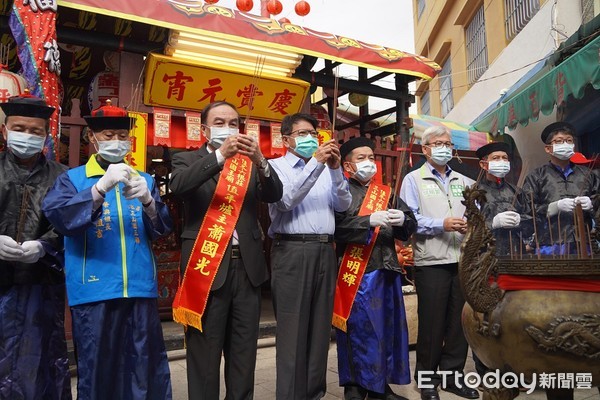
(274, 7)
(244, 5)
(358, 99)
(302, 8)
(11, 84)
(211, 1)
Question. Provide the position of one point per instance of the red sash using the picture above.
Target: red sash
(356, 257)
(212, 241)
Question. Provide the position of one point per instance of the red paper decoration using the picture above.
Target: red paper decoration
(244, 5)
(211, 1)
(274, 7)
(302, 8)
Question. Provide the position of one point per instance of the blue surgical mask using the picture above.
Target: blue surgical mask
(24, 145)
(441, 155)
(563, 151)
(114, 150)
(306, 146)
(365, 170)
(499, 168)
(218, 134)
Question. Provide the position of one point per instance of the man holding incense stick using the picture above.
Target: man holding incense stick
(221, 256)
(33, 350)
(557, 189)
(506, 210)
(372, 335)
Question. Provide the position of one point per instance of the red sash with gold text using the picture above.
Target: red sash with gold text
(356, 257)
(212, 241)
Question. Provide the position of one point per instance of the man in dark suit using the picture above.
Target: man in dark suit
(231, 317)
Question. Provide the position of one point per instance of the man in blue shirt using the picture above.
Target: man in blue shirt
(303, 260)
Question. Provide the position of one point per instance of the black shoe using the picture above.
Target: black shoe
(354, 392)
(464, 391)
(429, 394)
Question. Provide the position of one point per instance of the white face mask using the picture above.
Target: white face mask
(441, 155)
(114, 150)
(499, 168)
(218, 134)
(365, 170)
(24, 145)
(563, 151)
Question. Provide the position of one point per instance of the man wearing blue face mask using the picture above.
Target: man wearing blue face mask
(109, 213)
(227, 298)
(303, 260)
(33, 350)
(434, 193)
(557, 188)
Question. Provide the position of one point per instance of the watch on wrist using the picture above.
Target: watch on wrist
(263, 164)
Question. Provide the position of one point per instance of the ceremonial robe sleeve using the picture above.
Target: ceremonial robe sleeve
(410, 222)
(71, 212)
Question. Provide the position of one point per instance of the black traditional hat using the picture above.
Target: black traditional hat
(109, 117)
(355, 143)
(26, 105)
(555, 127)
(492, 147)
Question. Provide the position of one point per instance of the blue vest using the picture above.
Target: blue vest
(114, 258)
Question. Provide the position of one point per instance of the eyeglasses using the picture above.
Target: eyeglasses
(440, 144)
(562, 141)
(305, 133)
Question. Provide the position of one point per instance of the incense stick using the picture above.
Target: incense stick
(335, 97)
(535, 234)
(256, 77)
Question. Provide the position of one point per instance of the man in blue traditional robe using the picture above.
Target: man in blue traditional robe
(373, 352)
(109, 213)
(33, 350)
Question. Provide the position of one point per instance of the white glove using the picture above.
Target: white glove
(506, 219)
(32, 251)
(379, 218)
(137, 188)
(563, 205)
(396, 217)
(9, 249)
(114, 174)
(585, 201)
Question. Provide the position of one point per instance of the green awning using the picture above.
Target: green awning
(569, 78)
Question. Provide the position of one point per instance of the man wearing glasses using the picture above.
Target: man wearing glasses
(557, 188)
(303, 260)
(434, 193)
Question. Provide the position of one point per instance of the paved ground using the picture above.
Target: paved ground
(265, 378)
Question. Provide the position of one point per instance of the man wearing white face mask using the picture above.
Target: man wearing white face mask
(557, 188)
(373, 347)
(507, 209)
(219, 299)
(33, 350)
(109, 213)
(434, 193)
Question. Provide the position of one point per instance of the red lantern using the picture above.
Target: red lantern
(302, 8)
(274, 7)
(244, 5)
(211, 1)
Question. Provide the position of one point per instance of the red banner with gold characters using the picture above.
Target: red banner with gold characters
(356, 258)
(212, 241)
(33, 26)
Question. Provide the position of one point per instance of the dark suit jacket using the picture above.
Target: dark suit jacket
(194, 180)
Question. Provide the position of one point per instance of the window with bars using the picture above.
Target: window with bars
(425, 105)
(420, 8)
(446, 98)
(589, 9)
(477, 61)
(517, 14)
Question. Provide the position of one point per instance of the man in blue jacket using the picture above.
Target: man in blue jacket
(109, 213)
